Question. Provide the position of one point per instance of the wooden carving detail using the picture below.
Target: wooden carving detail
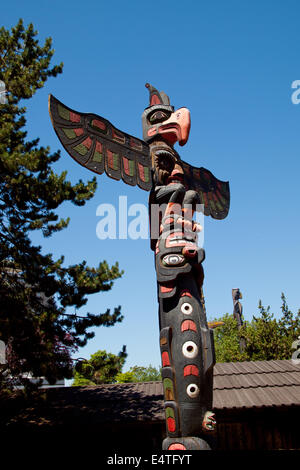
(177, 189)
(99, 146)
(96, 144)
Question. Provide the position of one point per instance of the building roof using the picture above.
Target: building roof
(256, 384)
(243, 385)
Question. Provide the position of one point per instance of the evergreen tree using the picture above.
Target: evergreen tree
(35, 289)
(139, 374)
(226, 339)
(101, 368)
(266, 338)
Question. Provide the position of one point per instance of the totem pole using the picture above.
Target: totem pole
(238, 315)
(237, 306)
(177, 190)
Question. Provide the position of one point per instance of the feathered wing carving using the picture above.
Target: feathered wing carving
(97, 145)
(214, 194)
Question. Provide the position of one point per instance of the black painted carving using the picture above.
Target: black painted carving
(177, 190)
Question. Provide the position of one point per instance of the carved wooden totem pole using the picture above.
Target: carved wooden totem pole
(237, 306)
(177, 189)
(238, 315)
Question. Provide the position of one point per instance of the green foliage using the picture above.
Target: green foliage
(105, 367)
(36, 289)
(139, 374)
(265, 337)
(125, 377)
(101, 368)
(226, 339)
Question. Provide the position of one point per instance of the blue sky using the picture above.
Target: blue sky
(232, 64)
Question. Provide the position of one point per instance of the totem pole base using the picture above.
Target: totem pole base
(185, 443)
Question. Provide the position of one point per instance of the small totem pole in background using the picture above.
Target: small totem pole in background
(237, 306)
(177, 189)
(238, 313)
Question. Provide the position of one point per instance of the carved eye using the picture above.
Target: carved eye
(192, 390)
(159, 116)
(190, 349)
(173, 260)
(186, 308)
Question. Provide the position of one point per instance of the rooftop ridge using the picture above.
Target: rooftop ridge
(256, 387)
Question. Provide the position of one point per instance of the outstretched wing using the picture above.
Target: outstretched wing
(214, 194)
(97, 145)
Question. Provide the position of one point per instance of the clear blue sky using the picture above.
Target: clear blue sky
(232, 64)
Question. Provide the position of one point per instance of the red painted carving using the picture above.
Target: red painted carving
(87, 142)
(169, 221)
(141, 172)
(99, 124)
(98, 147)
(181, 241)
(110, 159)
(118, 136)
(177, 447)
(185, 293)
(74, 117)
(165, 359)
(171, 424)
(188, 325)
(167, 287)
(177, 127)
(191, 370)
(151, 131)
(154, 100)
(135, 144)
(126, 165)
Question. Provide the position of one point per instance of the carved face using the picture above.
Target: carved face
(162, 122)
(209, 421)
(166, 163)
(162, 128)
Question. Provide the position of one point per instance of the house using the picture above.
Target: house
(257, 406)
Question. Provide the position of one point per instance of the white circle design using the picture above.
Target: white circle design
(186, 308)
(192, 390)
(190, 349)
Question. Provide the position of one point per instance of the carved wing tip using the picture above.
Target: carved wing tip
(50, 100)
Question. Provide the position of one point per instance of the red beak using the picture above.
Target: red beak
(177, 127)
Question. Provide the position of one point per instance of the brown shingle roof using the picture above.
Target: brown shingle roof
(244, 385)
(236, 385)
(256, 384)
